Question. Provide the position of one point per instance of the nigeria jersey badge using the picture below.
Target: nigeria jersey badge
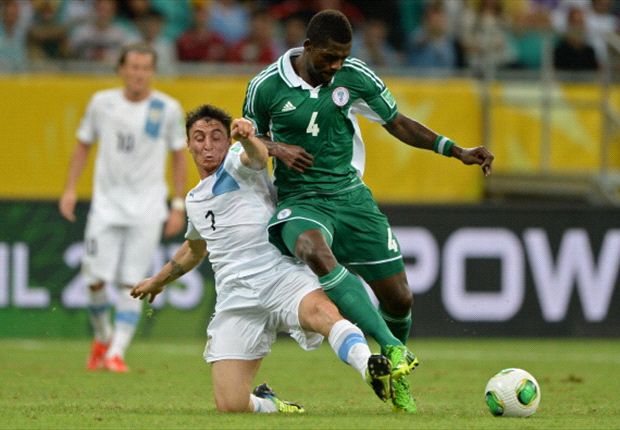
(284, 213)
(340, 96)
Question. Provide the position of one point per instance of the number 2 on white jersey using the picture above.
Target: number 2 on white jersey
(313, 127)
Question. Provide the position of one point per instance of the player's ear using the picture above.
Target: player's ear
(307, 45)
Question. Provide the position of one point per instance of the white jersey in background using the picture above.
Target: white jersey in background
(230, 209)
(134, 139)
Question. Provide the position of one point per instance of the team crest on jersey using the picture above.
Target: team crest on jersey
(284, 213)
(340, 96)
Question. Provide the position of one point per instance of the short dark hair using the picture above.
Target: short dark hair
(329, 25)
(207, 112)
(142, 48)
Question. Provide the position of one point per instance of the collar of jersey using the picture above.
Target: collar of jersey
(287, 73)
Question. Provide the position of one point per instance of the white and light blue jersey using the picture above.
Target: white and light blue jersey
(133, 142)
(230, 210)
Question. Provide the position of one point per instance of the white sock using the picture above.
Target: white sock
(99, 314)
(349, 343)
(126, 320)
(263, 405)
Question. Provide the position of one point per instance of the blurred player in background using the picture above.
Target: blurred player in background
(259, 291)
(135, 127)
(326, 216)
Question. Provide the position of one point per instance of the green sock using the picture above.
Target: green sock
(347, 292)
(399, 326)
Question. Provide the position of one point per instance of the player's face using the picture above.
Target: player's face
(137, 73)
(208, 143)
(326, 60)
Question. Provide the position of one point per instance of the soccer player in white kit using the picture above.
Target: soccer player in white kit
(135, 127)
(259, 291)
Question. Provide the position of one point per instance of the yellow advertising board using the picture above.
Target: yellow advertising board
(40, 115)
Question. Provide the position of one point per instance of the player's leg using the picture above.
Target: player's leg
(395, 303)
(372, 250)
(319, 314)
(98, 266)
(310, 245)
(238, 339)
(232, 386)
(139, 245)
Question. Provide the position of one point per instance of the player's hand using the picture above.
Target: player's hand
(293, 156)
(66, 205)
(242, 129)
(478, 155)
(146, 288)
(174, 223)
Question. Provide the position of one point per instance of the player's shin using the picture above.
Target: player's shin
(349, 295)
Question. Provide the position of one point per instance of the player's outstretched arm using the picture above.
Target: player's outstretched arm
(256, 154)
(418, 135)
(293, 156)
(189, 255)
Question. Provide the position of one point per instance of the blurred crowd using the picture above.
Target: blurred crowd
(476, 35)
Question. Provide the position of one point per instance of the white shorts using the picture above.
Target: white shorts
(244, 328)
(119, 254)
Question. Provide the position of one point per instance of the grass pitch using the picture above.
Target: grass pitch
(44, 384)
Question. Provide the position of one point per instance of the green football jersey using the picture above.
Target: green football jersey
(321, 120)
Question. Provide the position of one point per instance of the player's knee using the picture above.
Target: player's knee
(399, 301)
(316, 254)
(232, 403)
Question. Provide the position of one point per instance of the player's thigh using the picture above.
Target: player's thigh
(293, 218)
(102, 251)
(241, 333)
(292, 283)
(364, 240)
(232, 384)
(140, 244)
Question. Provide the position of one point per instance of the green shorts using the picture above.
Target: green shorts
(358, 233)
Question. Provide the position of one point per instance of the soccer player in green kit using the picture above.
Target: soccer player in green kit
(304, 107)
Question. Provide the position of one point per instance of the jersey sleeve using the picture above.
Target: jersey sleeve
(87, 131)
(377, 103)
(192, 233)
(175, 133)
(255, 107)
(233, 162)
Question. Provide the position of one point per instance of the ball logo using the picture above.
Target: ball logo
(340, 96)
(284, 213)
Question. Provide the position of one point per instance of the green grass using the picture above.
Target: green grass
(43, 384)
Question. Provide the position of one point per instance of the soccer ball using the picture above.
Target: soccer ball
(512, 393)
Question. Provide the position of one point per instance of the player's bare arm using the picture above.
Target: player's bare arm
(293, 156)
(189, 255)
(256, 154)
(415, 134)
(67, 202)
(176, 218)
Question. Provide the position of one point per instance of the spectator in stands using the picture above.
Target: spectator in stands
(77, 12)
(572, 51)
(101, 39)
(531, 25)
(150, 26)
(199, 43)
(485, 36)
(48, 34)
(372, 45)
(259, 47)
(432, 45)
(600, 22)
(12, 38)
(230, 19)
